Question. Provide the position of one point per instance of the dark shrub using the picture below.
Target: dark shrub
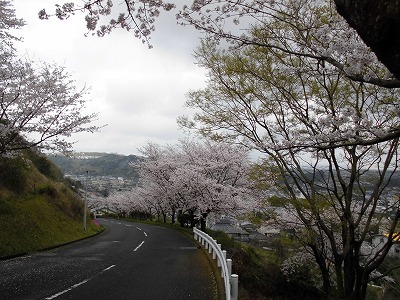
(13, 174)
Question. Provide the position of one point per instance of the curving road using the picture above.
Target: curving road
(127, 261)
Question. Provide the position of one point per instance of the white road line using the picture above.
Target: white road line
(58, 294)
(145, 234)
(106, 269)
(67, 290)
(138, 228)
(128, 225)
(138, 246)
(78, 284)
(75, 285)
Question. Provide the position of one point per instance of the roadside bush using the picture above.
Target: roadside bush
(48, 190)
(13, 174)
(260, 275)
(391, 287)
(45, 166)
(73, 184)
(5, 207)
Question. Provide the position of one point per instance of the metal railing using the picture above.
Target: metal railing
(230, 280)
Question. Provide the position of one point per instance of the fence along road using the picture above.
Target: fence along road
(127, 261)
(231, 281)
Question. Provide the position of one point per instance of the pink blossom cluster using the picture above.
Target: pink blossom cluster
(40, 106)
(194, 176)
(139, 16)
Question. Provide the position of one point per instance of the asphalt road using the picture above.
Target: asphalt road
(127, 261)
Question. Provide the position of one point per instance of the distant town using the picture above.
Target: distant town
(103, 184)
(99, 172)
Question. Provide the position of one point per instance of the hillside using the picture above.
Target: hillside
(38, 209)
(99, 164)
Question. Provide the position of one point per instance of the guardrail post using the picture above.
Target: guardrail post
(229, 263)
(214, 252)
(234, 286)
(224, 255)
(218, 262)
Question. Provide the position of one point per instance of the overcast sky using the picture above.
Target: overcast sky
(138, 92)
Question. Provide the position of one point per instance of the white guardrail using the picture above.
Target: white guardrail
(230, 280)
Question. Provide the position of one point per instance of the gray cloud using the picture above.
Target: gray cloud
(138, 92)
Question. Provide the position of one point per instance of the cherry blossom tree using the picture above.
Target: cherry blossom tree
(304, 28)
(8, 22)
(220, 175)
(156, 184)
(40, 106)
(334, 141)
(94, 200)
(195, 177)
(247, 88)
(122, 202)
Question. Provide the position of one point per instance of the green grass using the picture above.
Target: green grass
(32, 224)
(37, 209)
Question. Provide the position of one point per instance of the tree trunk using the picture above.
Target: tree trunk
(158, 216)
(192, 222)
(203, 219)
(378, 24)
(173, 216)
(349, 276)
(180, 218)
(360, 289)
(324, 271)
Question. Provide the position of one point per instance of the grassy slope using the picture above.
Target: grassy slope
(37, 211)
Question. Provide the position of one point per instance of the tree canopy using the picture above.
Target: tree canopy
(195, 177)
(302, 28)
(308, 118)
(137, 17)
(40, 105)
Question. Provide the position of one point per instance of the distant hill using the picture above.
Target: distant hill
(99, 164)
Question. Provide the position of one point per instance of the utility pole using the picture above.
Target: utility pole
(85, 202)
(86, 198)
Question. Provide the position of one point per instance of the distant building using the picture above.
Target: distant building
(226, 226)
(259, 237)
(249, 227)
